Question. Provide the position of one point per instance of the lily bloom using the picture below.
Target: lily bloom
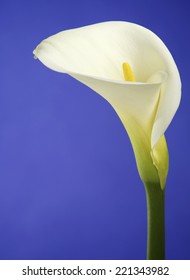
(134, 71)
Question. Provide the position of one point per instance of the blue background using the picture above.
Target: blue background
(69, 188)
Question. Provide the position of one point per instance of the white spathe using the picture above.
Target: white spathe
(94, 55)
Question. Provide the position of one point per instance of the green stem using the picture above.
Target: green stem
(156, 227)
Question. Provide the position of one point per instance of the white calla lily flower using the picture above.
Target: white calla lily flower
(133, 70)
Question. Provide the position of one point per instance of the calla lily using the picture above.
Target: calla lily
(133, 70)
(94, 55)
